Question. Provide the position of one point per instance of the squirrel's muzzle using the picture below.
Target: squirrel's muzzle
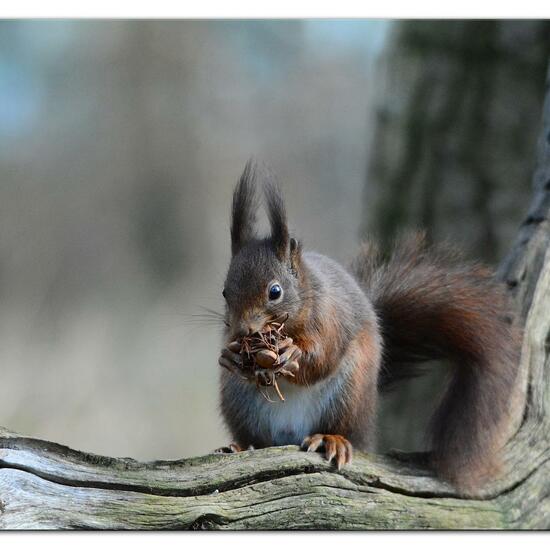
(247, 325)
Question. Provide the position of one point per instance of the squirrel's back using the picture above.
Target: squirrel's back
(335, 288)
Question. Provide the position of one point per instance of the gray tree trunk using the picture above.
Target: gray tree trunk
(46, 485)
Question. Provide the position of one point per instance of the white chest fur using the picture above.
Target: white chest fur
(289, 422)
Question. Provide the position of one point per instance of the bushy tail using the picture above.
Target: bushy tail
(432, 305)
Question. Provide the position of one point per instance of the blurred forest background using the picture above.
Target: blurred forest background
(120, 144)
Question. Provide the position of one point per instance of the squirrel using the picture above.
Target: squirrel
(358, 331)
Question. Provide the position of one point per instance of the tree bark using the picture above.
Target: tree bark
(47, 485)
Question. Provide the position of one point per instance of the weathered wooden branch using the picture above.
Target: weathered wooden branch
(47, 485)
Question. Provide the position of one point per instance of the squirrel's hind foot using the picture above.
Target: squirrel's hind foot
(336, 447)
(232, 448)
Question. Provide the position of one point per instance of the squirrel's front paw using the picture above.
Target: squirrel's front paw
(232, 360)
(288, 359)
(336, 447)
(286, 364)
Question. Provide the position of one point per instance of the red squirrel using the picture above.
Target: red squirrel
(357, 331)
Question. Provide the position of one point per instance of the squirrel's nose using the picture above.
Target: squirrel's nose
(241, 331)
(247, 325)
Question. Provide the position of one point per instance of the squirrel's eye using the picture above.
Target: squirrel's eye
(223, 293)
(275, 291)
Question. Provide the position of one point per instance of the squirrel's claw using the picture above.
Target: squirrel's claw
(336, 447)
(229, 365)
(232, 357)
(232, 448)
(291, 355)
(233, 362)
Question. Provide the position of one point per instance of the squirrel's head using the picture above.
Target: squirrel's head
(265, 277)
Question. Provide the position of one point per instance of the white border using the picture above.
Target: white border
(281, 9)
(277, 540)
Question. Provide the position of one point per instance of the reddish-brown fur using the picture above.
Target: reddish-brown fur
(318, 360)
(432, 305)
(362, 397)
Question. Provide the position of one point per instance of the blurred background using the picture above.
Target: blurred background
(120, 144)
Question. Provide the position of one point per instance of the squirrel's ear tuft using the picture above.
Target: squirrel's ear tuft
(245, 206)
(277, 217)
(295, 254)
